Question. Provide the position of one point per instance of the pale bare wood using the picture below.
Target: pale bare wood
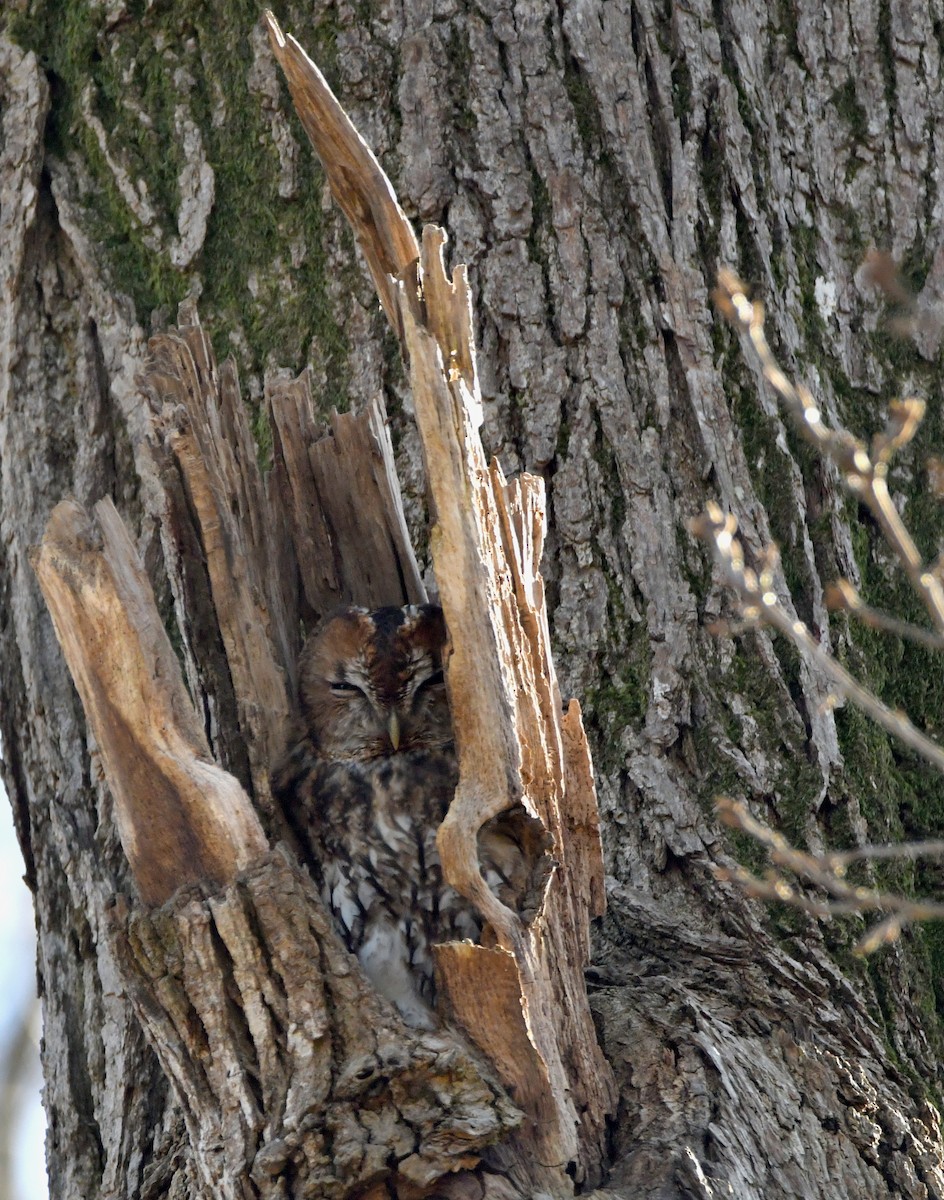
(565, 797)
(485, 996)
(353, 469)
(478, 676)
(582, 820)
(181, 818)
(357, 182)
(340, 489)
(486, 547)
(294, 429)
(562, 785)
(448, 313)
(199, 412)
(524, 1002)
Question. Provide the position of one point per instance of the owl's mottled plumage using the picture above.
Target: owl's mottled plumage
(365, 785)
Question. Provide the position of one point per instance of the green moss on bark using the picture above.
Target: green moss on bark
(261, 274)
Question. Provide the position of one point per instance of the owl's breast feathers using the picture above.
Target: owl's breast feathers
(367, 830)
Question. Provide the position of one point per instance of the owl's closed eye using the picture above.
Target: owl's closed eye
(371, 684)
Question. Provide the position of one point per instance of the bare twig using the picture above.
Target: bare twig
(841, 596)
(865, 472)
(823, 871)
(760, 604)
(839, 860)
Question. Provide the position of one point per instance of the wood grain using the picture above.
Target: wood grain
(180, 817)
(294, 1076)
(486, 544)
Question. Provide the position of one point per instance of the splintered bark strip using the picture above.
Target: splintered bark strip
(582, 819)
(180, 817)
(516, 750)
(199, 412)
(352, 467)
(479, 674)
(447, 314)
(486, 546)
(380, 225)
(387, 482)
(294, 429)
(340, 487)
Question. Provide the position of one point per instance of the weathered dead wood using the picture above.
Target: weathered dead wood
(181, 818)
(295, 1077)
(329, 515)
(341, 492)
(525, 1001)
(199, 412)
(507, 712)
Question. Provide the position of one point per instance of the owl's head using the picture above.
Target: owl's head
(371, 683)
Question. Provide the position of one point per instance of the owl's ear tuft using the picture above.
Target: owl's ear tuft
(427, 629)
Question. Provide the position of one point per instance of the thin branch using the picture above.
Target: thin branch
(865, 473)
(841, 596)
(838, 860)
(760, 604)
(823, 871)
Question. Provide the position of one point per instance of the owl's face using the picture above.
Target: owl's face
(371, 683)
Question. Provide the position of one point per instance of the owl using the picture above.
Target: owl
(366, 781)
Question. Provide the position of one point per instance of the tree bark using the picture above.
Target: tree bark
(309, 1086)
(594, 166)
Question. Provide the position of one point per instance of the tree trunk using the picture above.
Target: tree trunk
(594, 165)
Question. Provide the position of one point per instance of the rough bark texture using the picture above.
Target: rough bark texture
(300, 1080)
(238, 993)
(593, 164)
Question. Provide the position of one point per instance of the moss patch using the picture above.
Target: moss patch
(135, 77)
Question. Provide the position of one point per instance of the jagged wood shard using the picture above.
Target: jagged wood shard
(516, 748)
(340, 489)
(199, 414)
(181, 818)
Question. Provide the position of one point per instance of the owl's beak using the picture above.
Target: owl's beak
(393, 729)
